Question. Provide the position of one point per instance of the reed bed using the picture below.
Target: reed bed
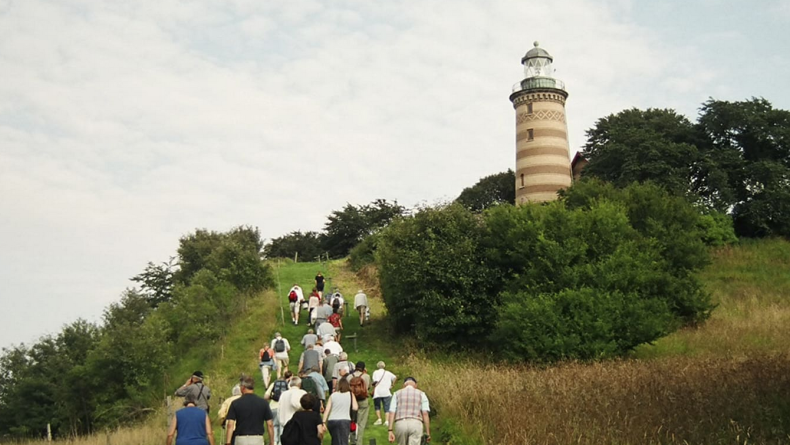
(676, 400)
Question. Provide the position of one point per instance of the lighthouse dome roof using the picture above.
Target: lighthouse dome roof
(537, 52)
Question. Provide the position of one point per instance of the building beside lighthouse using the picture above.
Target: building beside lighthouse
(543, 164)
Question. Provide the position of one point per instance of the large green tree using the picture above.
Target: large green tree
(636, 145)
(346, 228)
(749, 163)
(307, 245)
(489, 191)
(736, 158)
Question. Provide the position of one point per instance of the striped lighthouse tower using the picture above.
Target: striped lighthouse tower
(543, 164)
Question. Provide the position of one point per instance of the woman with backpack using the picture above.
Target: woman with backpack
(338, 413)
(267, 364)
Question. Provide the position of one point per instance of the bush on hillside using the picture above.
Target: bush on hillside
(434, 278)
(592, 275)
(580, 283)
(363, 253)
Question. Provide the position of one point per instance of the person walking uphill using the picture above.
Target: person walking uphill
(247, 417)
(360, 387)
(281, 348)
(192, 425)
(319, 284)
(408, 414)
(382, 382)
(337, 415)
(194, 386)
(361, 305)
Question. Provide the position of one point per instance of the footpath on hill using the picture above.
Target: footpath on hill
(240, 349)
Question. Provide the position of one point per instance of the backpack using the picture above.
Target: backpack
(265, 356)
(292, 434)
(310, 386)
(358, 388)
(292, 296)
(280, 386)
(279, 345)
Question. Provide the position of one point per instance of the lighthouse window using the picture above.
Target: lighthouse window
(522, 179)
(529, 108)
(530, 134)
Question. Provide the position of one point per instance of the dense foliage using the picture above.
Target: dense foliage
(89, 377)
(592, 275)
(345, 228)
(735, 158)
(489, 191)
(433, 275)
(306, 245)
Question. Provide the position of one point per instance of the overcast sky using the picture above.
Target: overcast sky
(125, 125)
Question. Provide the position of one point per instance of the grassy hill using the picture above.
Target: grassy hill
(723, 382)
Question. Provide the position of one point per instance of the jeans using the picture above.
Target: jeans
(340, 430)
(277, 427)
(384, 402)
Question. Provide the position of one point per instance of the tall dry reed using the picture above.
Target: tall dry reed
(139, 435)
(677, 400)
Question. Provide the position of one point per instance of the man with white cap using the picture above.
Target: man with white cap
(408, 414)
(361, 305)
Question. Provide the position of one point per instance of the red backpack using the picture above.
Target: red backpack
(292, 297)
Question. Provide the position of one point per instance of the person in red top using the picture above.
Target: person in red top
(337, 321)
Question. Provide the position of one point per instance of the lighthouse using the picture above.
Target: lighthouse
(543, 164)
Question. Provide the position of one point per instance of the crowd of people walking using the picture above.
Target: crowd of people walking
(325, 393)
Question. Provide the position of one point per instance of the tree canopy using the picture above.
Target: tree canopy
(735, 158)
(489, 191)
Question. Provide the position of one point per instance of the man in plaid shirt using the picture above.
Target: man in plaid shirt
(408, 414)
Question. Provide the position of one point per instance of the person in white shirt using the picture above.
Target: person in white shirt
(296, 305)
(361, 305)
(333, 346)
(281, 348)
(289, 401)
(382, 381)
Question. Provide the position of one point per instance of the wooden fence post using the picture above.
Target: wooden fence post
(49, 433)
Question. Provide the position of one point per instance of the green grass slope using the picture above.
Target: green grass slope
(268, 313)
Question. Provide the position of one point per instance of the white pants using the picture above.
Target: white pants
(407, 432)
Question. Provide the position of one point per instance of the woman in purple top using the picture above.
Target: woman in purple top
(192, 425)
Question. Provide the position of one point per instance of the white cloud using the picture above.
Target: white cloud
(124, 126)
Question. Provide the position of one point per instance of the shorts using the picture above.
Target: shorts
(294, 307)
(319, 287)
(382, 402)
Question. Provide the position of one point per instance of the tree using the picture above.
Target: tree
(489, 191)
(156, 282)
(233, 256)
(345, 228)
(307, 245)
(749, 158)
(735, 159)
(635, 146)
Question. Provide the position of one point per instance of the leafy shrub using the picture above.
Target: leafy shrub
(592, 275)
(364, 253)
(434, 278)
